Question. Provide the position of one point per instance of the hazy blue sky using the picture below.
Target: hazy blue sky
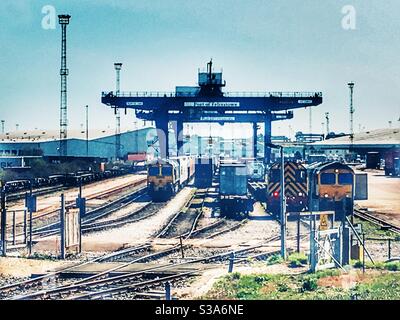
(262, 45)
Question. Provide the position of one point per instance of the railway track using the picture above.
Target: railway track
(50, 213)
(44, 279)
(88, 221)
(39, 192)
(103, 284)
(109, 282)
(185, 221)
(104, 279)
(52, 226)
(144, 212)
(217, 228)
(366, 216)
(15, 196)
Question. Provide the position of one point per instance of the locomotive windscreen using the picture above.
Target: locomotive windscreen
(345, 178)
(328, 178)
(166, 171)
(154, 171)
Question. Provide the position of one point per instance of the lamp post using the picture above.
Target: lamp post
(282, 199)
(118, 67)
(87, 130)
(63, 20)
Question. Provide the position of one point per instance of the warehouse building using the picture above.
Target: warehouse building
(380, 141)
(100, 145)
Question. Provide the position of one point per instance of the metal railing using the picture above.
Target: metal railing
(274, 94)
(164, 94)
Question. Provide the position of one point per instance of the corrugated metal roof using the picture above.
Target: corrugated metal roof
(54, 135)
(373, 137)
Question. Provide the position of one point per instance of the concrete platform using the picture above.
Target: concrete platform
(383, 195)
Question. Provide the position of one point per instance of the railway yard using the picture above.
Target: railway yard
(132, 246)
(204, 192)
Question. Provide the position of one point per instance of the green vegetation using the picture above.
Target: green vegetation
(373, 231)
(327, 284)
(379, 265)
(383, 287)
(297, 260)
(42, 256)
(274, 259)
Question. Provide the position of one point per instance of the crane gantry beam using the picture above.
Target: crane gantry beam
(208, 103)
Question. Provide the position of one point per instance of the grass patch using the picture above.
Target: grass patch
(357, 264)
(392, 266)
(42, 256)
(297, 260)
(379, 265)
(322, 285)
(373, 231)
(383, 287)
(274, 259)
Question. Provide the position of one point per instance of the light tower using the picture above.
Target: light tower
(327, 122)
(63, 20)
(2, 126)
(351, 87)
(87, 130)
(118, 67)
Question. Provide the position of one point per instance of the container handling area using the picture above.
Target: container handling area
(165, 208)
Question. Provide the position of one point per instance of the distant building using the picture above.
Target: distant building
(278, 139)
(308, 137)
(100, 145)
(341, 148)
(332, 135)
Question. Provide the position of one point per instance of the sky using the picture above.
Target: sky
(261, 45)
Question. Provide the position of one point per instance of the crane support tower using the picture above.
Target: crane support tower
(63, 20)
(207, 103)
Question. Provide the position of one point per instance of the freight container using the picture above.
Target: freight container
(233, 179)
(255, 169)
(233, 197)
(373, 160)
(192, 166)
(392, 163)
(136, 157)
(184, 166)
(204, 172)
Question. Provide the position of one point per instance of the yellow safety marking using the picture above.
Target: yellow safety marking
(323, 222)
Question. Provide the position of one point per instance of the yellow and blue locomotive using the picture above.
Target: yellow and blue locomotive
(330, 183)
(165, 177)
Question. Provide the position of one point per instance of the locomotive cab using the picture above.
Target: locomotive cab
(331, 183)
(296, 192)
(162, 179)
